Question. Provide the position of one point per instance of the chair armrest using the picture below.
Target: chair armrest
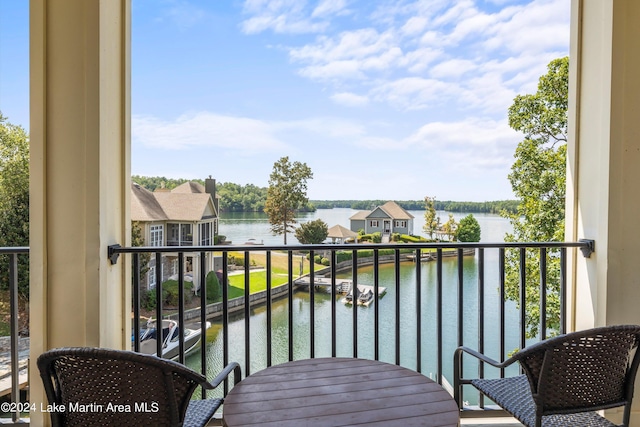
(237, 375)
(458, 381)
(458, 356)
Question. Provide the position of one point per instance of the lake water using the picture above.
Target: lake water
(241, 227)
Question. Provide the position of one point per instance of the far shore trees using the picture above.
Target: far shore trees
(538, 179)
(287, 192)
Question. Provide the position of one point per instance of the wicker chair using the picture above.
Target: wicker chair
(101, 387)
(566, 378)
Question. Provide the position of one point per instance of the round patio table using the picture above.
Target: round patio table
(339, 392)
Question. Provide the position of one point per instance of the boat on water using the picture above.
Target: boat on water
(170, 333)
(365, 295)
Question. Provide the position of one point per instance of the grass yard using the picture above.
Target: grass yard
(258, 279)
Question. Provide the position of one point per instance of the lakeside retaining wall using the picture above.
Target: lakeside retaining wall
(214, 310)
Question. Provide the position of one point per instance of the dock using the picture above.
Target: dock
(344, 287)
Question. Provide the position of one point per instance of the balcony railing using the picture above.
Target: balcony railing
(431, 342)
(458, 300)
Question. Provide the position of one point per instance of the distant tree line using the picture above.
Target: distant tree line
(233, 197)
(251, 198)
(494, 207)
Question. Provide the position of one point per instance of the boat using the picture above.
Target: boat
(170, 336)
(365, 295)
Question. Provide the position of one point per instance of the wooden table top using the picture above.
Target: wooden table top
(326, 392)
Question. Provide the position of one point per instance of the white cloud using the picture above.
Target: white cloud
(477, 143)
(205, 130)
(414, 93)
(290, 16)
(349, 99)
(330, 7)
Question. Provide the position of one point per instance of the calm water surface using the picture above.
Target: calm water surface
(241, 227)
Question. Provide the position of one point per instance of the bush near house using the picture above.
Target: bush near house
(169, 295)
(214, 291)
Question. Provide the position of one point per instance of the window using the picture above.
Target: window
(374, 223)
(402, 224)
(156, 238)
(152, 273)
(204, 230)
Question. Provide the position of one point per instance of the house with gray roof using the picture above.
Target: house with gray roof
(184, 216)
(386, 219)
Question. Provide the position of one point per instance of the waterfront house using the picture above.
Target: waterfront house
(80, 102)
(184, 216)
(386, 219)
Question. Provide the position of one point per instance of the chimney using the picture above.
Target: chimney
(210, 186)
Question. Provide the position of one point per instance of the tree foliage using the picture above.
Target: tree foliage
(312, 232)
(538, 179)
(14, 197)
(137, 239)
(431, 221)
(469, 229)
(450, 228)
(287, 192)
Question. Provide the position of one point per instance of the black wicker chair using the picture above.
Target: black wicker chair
(101, 387)
(566, 378)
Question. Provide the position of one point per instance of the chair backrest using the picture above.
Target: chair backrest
(93, 386)
(587, 370)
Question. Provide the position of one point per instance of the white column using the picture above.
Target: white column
(79, 176)
(603, 180)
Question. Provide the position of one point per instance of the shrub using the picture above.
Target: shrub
(325, 261)
(317, 259)
(343, 256)
(214, 291)
(236, 260)
(219, 239)
(170, 295)
(376, 237)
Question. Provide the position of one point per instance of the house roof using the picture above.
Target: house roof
(144, 205)
(391, 209)
(185, 204)
(189, 187)
(395, 211)
(362, 215)
(340, 232)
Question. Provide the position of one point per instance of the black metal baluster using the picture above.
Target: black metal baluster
(290, 302)
(501, 291)
(203, 320)
(225, 314)
(181, 309)
(481, 316)
(354, 301)
(523, 297)
(159, 337)
(269, 316)
(543, 293)
(312, 300)
(247, 315)
(563, 290)
(439, 313)
(376, 306)
(136, 302)
(398, 308)
(419, 310)
(334, 330)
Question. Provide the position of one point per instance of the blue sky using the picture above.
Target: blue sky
(382, 99)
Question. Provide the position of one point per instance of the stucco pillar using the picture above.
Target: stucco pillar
(603, 194)
(79, 176)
